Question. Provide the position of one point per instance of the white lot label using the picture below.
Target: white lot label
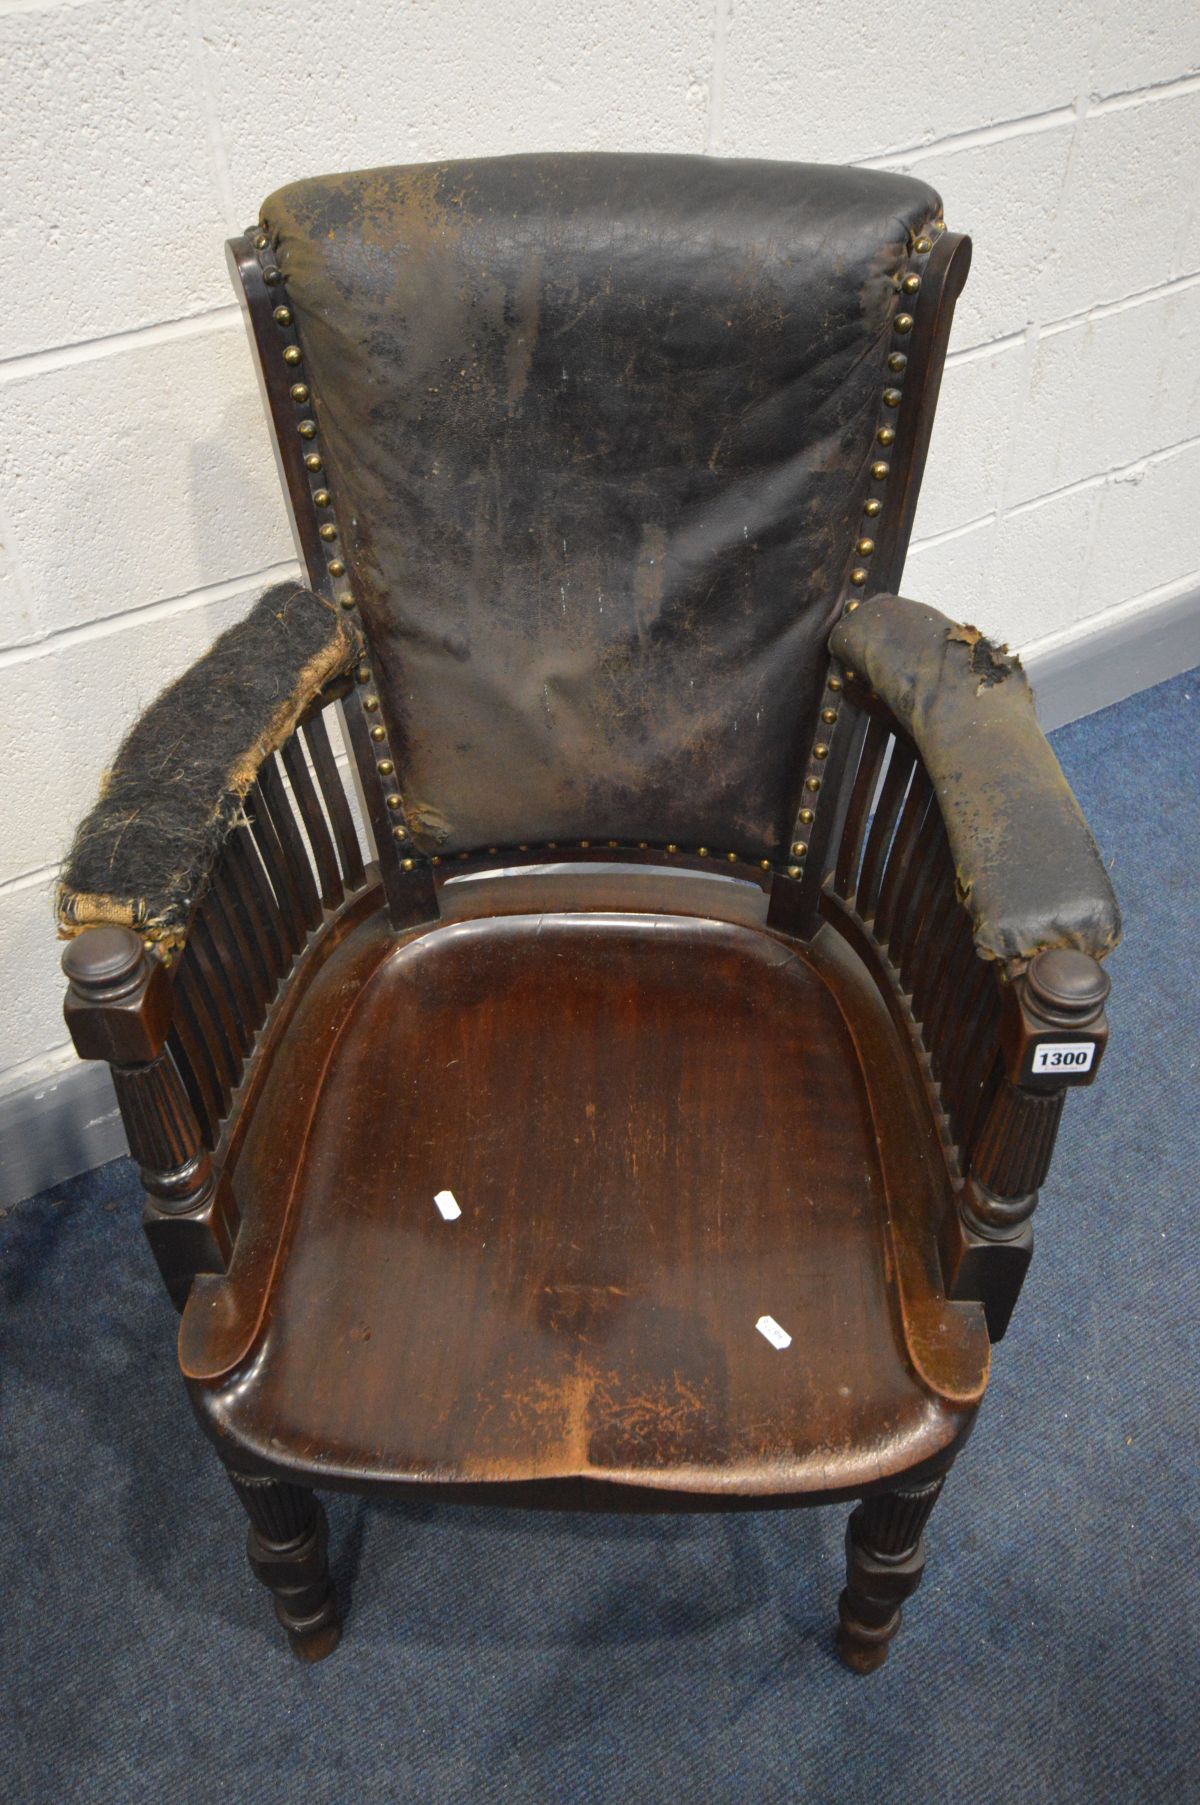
(767, 1325)
(1064, 1056)
(447, 1202)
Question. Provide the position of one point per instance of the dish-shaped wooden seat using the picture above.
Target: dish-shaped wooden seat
(659, 1128)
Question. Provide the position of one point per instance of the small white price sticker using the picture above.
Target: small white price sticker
(1064, 1057)
(779, 1338)
(447, 1203)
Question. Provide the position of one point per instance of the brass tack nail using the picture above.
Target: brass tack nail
(793, 871)
(922, 246)
(806, 816)
(261, 242)
(851, 606)
(799, 848)
(436, 859)
(385, 767)
(911, 284)
(370, 703)
(307, 429)
(292, 354)
(271, 276)
(764, 864)
(395, 800)
(378, 733)
(328, 531)
(283, 316)
(585, 844)
(813, 784)
(671, 846)
(858, 575)
(464, 855)
(347, 601)
(524, 846)
(702, 852)
(865, 547)
(879, 472)
(408, 864)
(872, 508)
(313, 461)
(399, 833)
(363, 673)
(493, 849)
(336, 567)
(820, 751)
(732, 857)
(886, 435)
(643, 845)
(614, 842)
(897, 362)
(849, 676)
(299, 392)
(835, 684)
(829, 716)
(322, 497)
(891, 397)
(903, 322)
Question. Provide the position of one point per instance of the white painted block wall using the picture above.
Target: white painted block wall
(138, 504)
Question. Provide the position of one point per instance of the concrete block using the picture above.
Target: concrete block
(1128, 220)
(30, 979)
(1039, 564)
(1139, 42)
(954, 574)
(1108, 391)
(112, 216)
(301, 91)
(1148, 529)
(140, 474)
(978, 406)
(833, 81)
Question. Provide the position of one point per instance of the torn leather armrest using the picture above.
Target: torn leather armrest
(142, 857)
(1027, 867)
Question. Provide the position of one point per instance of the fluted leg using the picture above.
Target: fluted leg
(287, 1547)
(885, 1557)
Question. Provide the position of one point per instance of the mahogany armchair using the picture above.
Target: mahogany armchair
(652, 1115)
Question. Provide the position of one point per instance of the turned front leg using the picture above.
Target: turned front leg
(287, 1547)
(885, 1558)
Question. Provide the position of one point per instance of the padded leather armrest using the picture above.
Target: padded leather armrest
(143, 854)
(1027, 867)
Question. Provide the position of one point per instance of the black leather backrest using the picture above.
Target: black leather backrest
(600, 429)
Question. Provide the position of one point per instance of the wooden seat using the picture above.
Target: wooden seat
(658, 1130)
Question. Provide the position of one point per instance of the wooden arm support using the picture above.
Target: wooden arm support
(998, 1043)
(119, 1008)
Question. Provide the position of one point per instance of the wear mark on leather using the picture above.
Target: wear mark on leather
(991, 663)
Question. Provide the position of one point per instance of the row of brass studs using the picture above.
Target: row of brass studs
(885, 437)
(322, 500)
(670, 846)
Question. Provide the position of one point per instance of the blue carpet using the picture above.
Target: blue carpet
(1051, 1654)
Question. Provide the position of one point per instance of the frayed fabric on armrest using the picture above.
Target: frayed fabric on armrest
(143, 855)
(1027, 867)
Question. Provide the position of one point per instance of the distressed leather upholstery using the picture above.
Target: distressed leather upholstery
(599, 428)
(1026, 864)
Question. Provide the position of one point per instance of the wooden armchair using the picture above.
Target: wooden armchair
(654, 1115)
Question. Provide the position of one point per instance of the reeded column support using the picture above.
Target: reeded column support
(118, 1007)
(287, 1545)
(885, 1558)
